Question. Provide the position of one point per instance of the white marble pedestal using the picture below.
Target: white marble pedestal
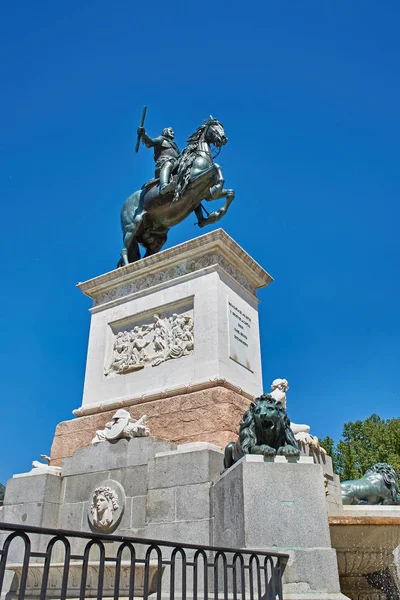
(210, 280)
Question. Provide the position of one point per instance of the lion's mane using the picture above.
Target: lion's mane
(279, 436)
(389, 476)
(247, 429)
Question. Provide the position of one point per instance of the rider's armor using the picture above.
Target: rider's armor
(166, 153)
(167, 150)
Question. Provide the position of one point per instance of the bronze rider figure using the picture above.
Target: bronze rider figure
(166, 153)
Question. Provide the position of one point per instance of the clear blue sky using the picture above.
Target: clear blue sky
(309, 94)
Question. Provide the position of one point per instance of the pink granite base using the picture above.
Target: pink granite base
(209, 415)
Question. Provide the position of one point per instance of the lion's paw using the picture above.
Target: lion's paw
(289, 450)
(268, 451)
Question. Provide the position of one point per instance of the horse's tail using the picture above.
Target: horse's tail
(133, 251)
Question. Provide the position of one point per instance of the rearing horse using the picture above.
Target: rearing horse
(147, 216)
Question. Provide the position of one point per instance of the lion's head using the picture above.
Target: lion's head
(389, 476)
(266, 422)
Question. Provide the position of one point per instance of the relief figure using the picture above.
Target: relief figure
(153, 343)
(104, 503)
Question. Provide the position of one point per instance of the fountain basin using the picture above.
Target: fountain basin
(364, 544)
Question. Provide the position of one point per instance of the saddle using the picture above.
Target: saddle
(155, 181)
(150, 184)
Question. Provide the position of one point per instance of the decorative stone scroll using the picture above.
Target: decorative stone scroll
(150, 344)
(106, 506)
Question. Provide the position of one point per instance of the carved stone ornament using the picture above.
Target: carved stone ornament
(39, 468)
(279, 387)
(106, 506)
(150, 344)
(181, 268)
(122, 426)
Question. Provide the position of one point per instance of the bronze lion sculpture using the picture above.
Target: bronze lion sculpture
(379, 485)
(264, 429)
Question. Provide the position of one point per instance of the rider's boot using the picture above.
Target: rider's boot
(165, 186)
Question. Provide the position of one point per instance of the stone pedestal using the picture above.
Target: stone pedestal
(163, 492)
(280, 506)
(332, 480)
(166, 490)
(174, 336)
(211, 282)
(177, 493)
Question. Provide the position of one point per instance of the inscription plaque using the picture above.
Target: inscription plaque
(240, 336)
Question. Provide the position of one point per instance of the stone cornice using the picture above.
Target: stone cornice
(159, 394)
(216, 249)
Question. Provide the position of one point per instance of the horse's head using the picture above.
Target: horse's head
(214, 132)
(210, 131)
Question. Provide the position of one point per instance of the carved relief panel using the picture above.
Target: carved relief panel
(151, 339)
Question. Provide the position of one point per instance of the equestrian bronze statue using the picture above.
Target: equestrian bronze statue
(181, 182)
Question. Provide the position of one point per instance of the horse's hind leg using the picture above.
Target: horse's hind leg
(130, 252)
(128, 238)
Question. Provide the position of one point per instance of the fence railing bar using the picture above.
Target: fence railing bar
(175, 552)
(100, 581)
(146, 588)
(236, 574)
(64, 582)
(122, 538)
(24, 576)
(200, 553)
(239, 558)
(277, 579)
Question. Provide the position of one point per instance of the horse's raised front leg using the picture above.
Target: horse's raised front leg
(216, 215)
(217, 188)
(215, 192)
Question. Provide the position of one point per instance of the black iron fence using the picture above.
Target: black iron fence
(56, 564)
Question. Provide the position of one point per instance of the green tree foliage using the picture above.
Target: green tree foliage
(363, 444)
(329, 445)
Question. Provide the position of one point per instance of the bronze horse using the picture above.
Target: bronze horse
(147, 216)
